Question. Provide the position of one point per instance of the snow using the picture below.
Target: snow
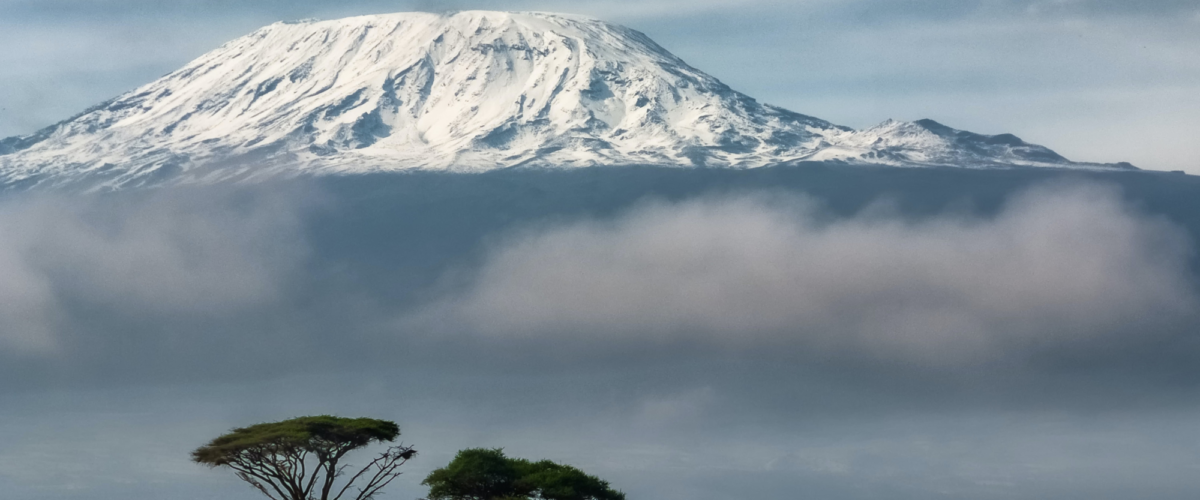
(468, 92)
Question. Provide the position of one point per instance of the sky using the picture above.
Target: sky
(1096, 80)
(725, 344)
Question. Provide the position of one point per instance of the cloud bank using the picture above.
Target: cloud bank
(1058, 267)
(186, 255)
(722, 346)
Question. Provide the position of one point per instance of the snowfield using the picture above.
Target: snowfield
(468, 92)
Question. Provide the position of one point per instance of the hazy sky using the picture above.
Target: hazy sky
(1096, 80)
(725, 346)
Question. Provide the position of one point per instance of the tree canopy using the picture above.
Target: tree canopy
(300, 459)
(487, 474)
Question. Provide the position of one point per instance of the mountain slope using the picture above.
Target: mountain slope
(929, 143)
(470, 91)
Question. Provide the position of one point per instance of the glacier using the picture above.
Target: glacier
(462, 92)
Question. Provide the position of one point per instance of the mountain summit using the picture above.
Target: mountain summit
(469, 91)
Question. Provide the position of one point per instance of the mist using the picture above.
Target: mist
(716, 335)
(1060, 266)
(163, 254)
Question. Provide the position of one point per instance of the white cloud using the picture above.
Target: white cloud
(153, 256)
(25, 304)
(1056, 267)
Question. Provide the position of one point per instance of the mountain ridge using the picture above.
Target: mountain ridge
(467, 92)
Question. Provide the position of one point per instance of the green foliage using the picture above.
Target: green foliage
(300, 459)
(315, 434)
(486, 474)
(475, 474)
(552, 481)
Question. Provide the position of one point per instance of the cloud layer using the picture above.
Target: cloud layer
(170, 254)
(1058, 267)
(714, 347)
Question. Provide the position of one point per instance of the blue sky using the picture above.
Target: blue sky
(1096, 80)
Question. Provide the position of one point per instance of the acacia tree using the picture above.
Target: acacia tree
(486, 474)
(301, 458)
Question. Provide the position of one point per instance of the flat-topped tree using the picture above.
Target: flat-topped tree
(301, 458)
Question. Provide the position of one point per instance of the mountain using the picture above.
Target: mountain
(469, 91)
(929, 143)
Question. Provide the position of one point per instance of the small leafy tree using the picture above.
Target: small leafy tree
(486, 474)
(476, 474)
(301, 458)
(551, 481)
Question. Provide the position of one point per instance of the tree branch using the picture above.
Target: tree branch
(245, 471)
(385, 465)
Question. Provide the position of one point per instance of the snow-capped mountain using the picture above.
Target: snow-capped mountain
(929, 143)
(470, 91)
